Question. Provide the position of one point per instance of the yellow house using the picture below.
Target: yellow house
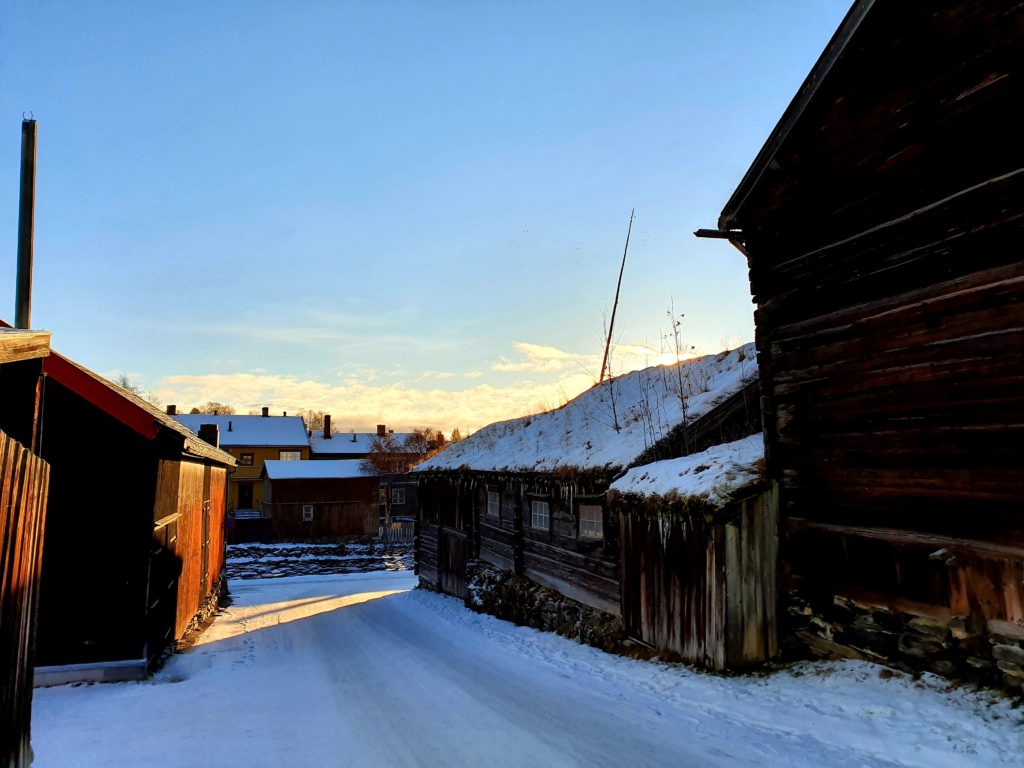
(253, 440)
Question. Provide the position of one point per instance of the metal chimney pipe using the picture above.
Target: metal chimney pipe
(26, 225)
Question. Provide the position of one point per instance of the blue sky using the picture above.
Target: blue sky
(406, 213)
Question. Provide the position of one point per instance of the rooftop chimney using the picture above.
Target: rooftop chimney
(26, 226)
(266, 411)
(353, 435)
(172, 410)
(211, 433)
(381, 430)
(229, 425)
(327, 426)
(284, 413)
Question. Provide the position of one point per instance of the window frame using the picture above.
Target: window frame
(535, 515)
(283, 455)
(398, 496)
(495, 497)
(594, 530)
(246, 459)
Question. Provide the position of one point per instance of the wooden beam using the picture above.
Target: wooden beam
(18, 345)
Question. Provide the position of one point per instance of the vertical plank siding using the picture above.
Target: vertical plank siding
(218, 507)
(705, 591)
(24, 484)
(190, 543)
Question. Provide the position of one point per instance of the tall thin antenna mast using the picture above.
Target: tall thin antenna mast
(615, 306)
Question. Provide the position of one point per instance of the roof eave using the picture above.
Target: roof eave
(728, 220)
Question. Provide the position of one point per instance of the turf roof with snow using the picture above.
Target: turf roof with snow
(581, 434)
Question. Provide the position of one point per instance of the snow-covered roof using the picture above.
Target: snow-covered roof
(646, 405)
(255, 431)
(348, 442)
(714, 475)
(278, 469)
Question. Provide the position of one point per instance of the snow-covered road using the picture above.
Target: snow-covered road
(357, 670)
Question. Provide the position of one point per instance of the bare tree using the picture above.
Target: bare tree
(314, 419)
(214, 408)
(126, 382)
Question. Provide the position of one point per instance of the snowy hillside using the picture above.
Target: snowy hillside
(645, 405)
(714, 475)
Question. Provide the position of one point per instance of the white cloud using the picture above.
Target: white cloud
(361, 397)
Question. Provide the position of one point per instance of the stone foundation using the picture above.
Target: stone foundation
(911, 638)
(517, 599)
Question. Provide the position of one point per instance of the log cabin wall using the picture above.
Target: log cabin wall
(556, 556)
(883, 233)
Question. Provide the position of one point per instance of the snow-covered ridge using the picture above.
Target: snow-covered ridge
(714, 475)
(645, 405)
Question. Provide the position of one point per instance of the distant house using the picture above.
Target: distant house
(882, 225)
(528, 500)
(253, 440)
(319, 499)
(325, 444)
(134, 544)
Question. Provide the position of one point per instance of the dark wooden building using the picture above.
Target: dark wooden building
(134, 533)
(319, 499)
(24, 483)
(699, 554)
(883, 222)
(529, 497)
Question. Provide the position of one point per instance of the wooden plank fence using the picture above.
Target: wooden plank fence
(24, 482)
(397, 530)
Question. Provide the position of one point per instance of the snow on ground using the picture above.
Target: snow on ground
(715, 474)
(645, 404)
(357, 670)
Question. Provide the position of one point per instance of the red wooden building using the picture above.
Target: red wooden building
(134, 534)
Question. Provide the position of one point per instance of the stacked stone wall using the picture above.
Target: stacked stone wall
(913, 639)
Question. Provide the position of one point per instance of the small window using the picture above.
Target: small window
(382, 496)
(591, 522)
(398, 495)
(540, 515)
(290, 455)
(493, 503)
(307, 513)
(246, 460)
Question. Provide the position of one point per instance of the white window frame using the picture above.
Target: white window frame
(398, 495)
(289, 455)
(493, 504)
(591, 521)
(307, 513)
(540, 515)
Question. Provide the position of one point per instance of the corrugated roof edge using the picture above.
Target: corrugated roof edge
(840, 40)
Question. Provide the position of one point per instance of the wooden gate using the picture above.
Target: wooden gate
(24, 483)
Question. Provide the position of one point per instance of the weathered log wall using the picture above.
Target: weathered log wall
(883, 236)
(585, 570)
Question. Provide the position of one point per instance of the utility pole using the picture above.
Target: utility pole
(615, 306)
(26, 225)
